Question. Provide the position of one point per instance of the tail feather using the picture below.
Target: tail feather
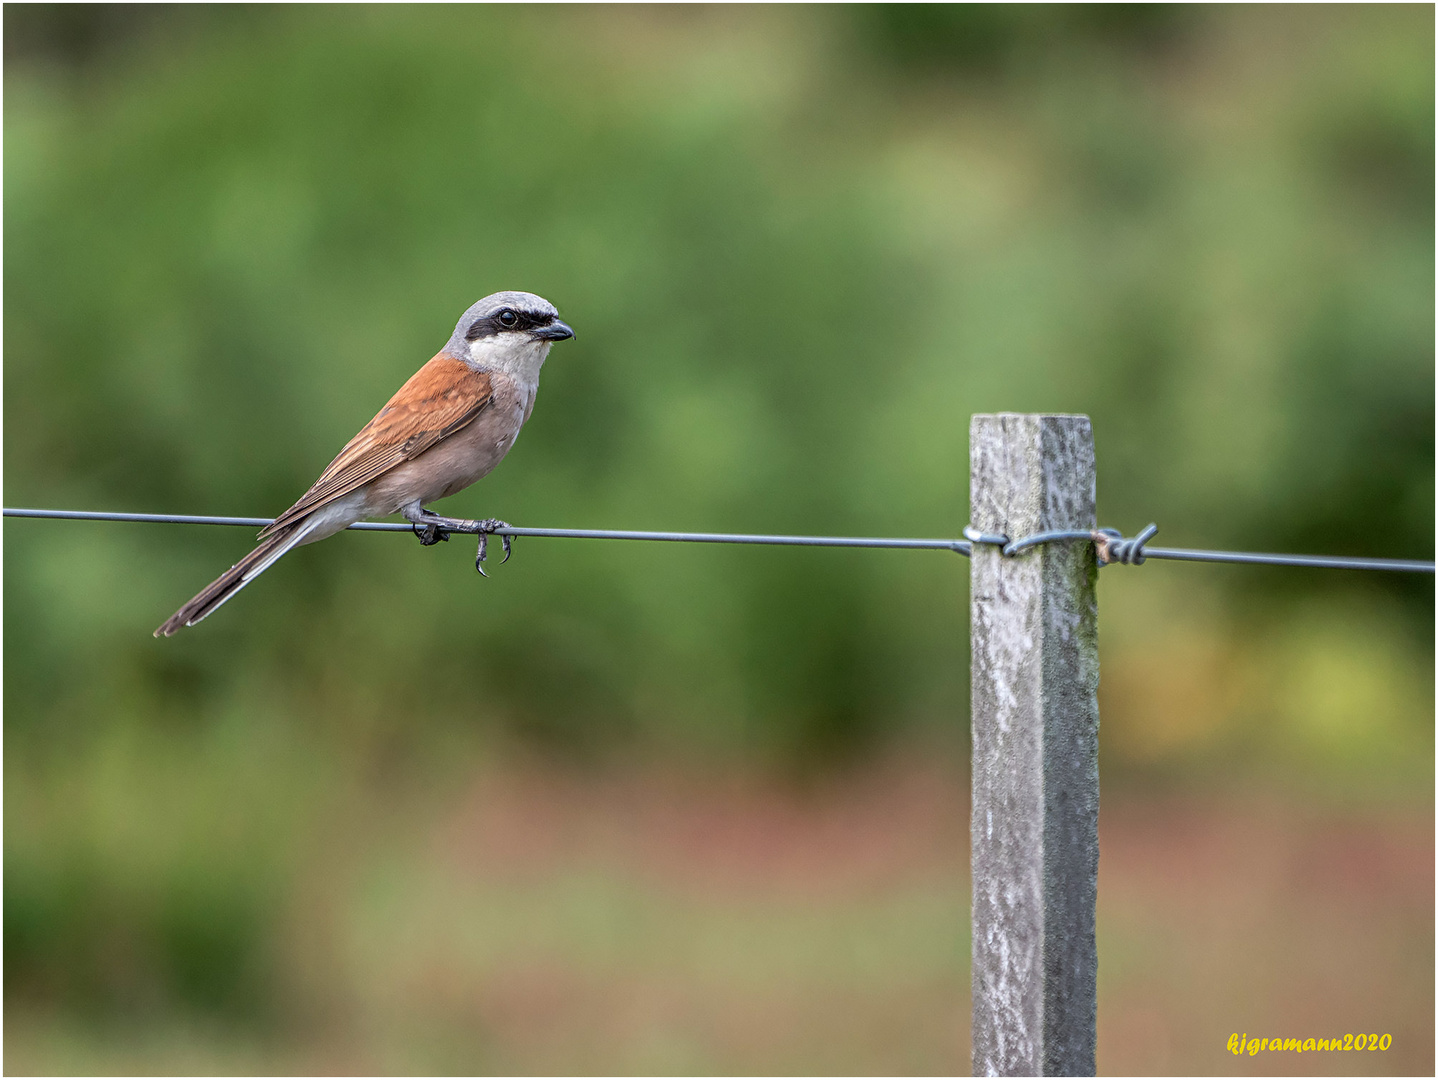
(237, 577)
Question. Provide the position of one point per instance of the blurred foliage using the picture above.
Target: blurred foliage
(989, 39)
(800, 247)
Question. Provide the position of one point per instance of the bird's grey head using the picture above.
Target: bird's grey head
(509, 331)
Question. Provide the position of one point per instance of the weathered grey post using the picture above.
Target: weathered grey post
(1034, 625)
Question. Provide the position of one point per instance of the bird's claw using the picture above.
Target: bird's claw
(486, 527)
(430, 533)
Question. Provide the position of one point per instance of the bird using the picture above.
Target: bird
(445, 428)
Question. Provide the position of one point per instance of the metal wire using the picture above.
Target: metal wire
(1113, 547)
(1132, 551)
(959, 546)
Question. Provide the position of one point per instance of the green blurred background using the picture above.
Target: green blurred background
(686, 808)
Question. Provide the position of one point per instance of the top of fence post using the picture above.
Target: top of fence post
(1035, 748)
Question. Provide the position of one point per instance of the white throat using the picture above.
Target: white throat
(517, 355)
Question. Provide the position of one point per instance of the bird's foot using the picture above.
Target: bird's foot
(430, 533)
(431, 528)
(486, 527)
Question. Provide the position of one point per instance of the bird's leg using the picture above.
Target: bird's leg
(487, 526)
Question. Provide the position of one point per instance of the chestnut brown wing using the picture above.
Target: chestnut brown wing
(438, 400)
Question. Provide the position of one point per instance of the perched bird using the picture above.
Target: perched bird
(449, 425)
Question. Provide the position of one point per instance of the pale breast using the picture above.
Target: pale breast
(458, 461)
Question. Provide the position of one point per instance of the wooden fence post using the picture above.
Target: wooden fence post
(1034, 627)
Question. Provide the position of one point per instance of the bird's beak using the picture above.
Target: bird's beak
(555, 331)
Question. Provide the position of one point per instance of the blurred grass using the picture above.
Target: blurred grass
(665, 921)
(800, 247)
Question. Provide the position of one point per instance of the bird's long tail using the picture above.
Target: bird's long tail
(238, 576)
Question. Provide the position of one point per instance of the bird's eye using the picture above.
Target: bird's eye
(507, 317)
